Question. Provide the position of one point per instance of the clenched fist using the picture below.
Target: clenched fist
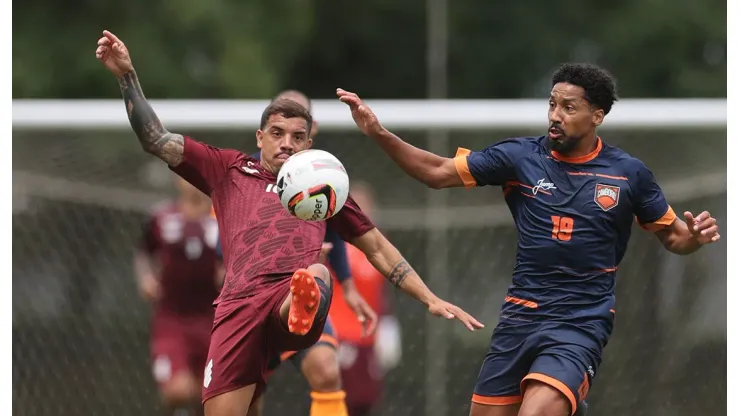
(114, 54)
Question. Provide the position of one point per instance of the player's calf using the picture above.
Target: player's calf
(320, 366)
(310, 294)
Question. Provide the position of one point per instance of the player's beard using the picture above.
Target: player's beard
(563, 144)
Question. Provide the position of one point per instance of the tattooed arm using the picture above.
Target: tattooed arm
(154, 138)
(388, 260)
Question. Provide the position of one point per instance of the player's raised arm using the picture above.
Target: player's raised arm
(433, 170)
(154, 138)
(386, 258)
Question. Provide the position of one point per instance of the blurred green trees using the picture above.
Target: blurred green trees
(251, 49)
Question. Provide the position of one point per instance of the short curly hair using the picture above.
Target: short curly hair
(598, 84)
(288, 109)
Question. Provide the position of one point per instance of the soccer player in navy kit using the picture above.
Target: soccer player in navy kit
(573, 198)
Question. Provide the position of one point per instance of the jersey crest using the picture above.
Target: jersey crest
(606, 196)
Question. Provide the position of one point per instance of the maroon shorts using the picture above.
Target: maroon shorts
(246, 334)
(179, 344)
(361, 375)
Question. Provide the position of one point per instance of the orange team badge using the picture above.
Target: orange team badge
(606, 196)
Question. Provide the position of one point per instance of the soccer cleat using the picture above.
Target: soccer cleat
(305, 302)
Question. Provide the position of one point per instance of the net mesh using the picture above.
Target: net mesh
(80, 332)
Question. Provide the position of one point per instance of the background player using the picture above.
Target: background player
(176, 270)
(573, 198)
(319, 364)
(261, 309)
(364, 360)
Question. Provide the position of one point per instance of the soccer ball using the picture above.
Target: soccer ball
(313, 185)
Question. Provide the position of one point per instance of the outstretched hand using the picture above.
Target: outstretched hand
(703, 227)
(450, 311)
(113, 54)
(361, 113)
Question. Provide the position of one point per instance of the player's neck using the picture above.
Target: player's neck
(586, 146)
(268, 168)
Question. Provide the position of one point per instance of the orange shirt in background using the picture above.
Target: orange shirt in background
(370, 284)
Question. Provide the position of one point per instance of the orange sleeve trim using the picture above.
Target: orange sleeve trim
(463, 170)
(667, 219)
(554, 383)
(287, 354)
(496, 401)
(522, 302)
(328, 339)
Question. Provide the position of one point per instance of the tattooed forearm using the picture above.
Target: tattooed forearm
(399, 272)
(154, 138)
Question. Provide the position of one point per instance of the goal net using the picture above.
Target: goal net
(82, 187)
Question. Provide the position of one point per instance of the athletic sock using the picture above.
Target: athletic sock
(328, 404)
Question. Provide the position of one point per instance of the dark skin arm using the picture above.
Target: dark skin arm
(684, 238)
(428, 168)
(153, 137)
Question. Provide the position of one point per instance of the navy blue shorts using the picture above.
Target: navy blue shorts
(562, 355)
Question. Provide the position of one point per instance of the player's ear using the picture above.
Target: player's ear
(259, 138)
(314, 128)
(597, 117)
(309, 142)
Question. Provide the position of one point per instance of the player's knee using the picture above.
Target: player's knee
(182, 389)
(321, 272)
(321, 369)
(541, 399)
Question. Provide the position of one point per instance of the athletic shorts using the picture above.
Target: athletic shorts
(563, 355)
(179, 344)
(248, 332)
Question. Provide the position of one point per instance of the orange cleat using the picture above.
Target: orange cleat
(305, 302)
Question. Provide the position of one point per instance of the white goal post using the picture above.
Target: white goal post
(397, 114)
(436, 116)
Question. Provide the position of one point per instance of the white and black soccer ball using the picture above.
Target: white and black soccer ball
(313, 185)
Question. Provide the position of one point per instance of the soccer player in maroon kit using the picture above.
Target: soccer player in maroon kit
(176, 267)
(275, 296)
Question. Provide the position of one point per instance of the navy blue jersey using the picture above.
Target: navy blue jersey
(573, 217)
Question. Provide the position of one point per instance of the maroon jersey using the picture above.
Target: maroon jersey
(262, 243)
(186, 251)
